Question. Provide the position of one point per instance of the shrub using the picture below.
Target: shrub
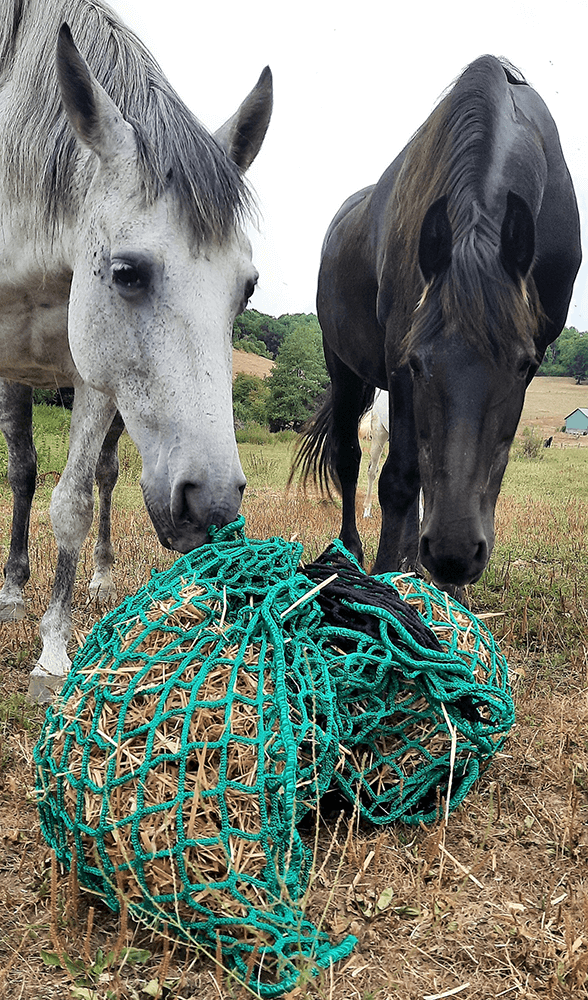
(529, 445)
(250, 398)
(252, 433)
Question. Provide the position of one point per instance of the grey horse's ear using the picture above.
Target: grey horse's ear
(95, 118)
(242, 135)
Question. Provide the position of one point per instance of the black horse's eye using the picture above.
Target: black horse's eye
(415, 366)
(527, 368)
(130, 279)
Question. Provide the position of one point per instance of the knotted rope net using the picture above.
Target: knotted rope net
(209, 712)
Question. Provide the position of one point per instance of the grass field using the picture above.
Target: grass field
(549, 401)
(494, 904)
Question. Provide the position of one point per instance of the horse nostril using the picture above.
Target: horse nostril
(425, 551)
(192, 503)
(200, 505)
(184, 503)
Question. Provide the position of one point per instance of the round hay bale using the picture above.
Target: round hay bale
(208, 713)
(173, 768)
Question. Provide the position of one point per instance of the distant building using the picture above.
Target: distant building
(577, 422)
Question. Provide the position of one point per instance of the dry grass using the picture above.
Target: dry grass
(494, 905)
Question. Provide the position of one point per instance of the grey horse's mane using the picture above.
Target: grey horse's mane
(40, 152)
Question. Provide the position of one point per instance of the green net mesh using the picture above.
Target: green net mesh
(209, 712)
(403, 719)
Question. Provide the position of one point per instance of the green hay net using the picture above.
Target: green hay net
(211, 711)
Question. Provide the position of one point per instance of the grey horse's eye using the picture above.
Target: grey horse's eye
(130, 279)
(248, 292)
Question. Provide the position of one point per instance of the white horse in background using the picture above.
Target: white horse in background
(379, 417)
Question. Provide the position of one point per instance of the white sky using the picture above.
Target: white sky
(352, 82)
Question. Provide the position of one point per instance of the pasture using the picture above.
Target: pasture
(493, 905)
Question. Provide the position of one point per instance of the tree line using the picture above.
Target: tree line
(299, 380)
(568, 355)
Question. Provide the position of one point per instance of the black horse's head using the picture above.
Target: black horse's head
(471, 351)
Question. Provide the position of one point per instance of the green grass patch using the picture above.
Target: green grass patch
(17, 713)
(51, 437)
(561, 473)
(253, 433)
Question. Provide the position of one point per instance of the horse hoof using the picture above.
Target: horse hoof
(43, 686)
(102, 591)
(12, 610)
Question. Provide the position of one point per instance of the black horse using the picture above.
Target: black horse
(444, 283)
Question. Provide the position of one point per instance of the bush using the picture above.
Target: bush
(250, 398)
(529, 445)
(54, 397)
(253, 433)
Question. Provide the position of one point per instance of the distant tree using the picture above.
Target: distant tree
(574, 356)
(299, 378)
(265, 334)
(580, 362)
(566, 356)
(252, 346)
(250, 398)
(550, 364)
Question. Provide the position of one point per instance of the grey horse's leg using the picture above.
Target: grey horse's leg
(102, 585)
(71, 513)
(16, 423)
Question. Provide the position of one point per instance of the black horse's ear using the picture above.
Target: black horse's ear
(436, 240)
(517, 237)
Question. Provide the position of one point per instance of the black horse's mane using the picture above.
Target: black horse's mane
(450, 155)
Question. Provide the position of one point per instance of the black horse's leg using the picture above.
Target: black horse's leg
(409, 540)
(102, 586)
(399, 483)
(16, 423)
(348, 404)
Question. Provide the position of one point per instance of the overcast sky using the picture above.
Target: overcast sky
(352, 82)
